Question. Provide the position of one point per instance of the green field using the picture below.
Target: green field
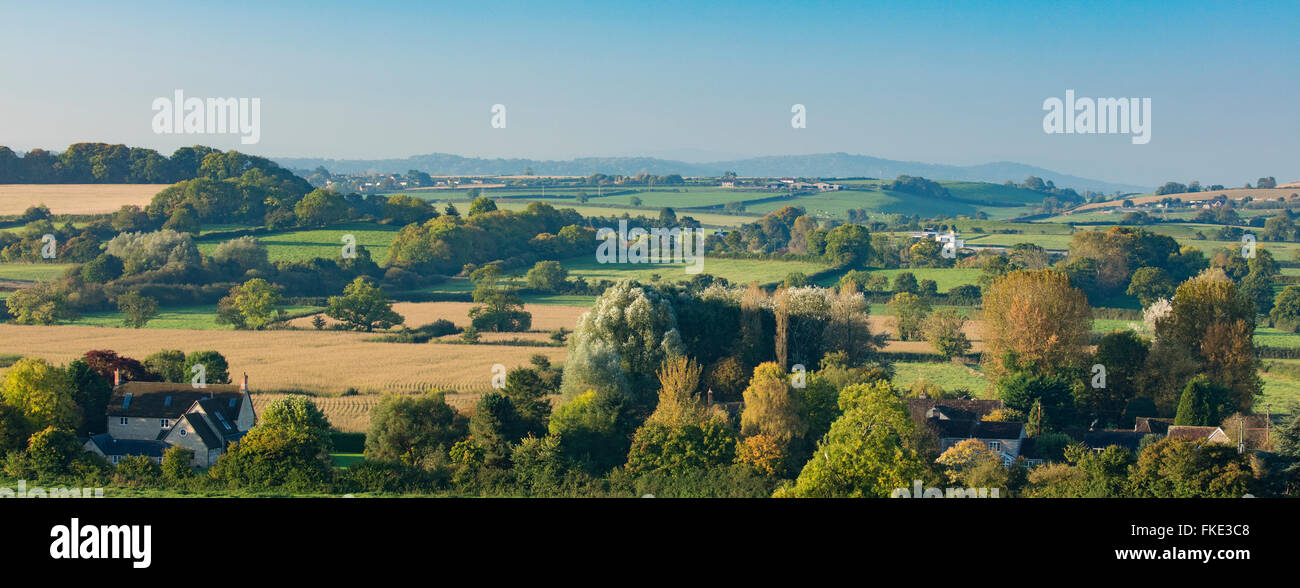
(837, 204)
(39, 272)
(736, 271)
(685, 197)
(1281, 393)
(970, 312)
(177, 317)
(1005, 240)
(710, 219)
(311, 243)
(343, 460)
(1271, 337)
(979, 226)
(657, 197)
(948, 375)
(995, 193)
(560, 299)
(944, 278)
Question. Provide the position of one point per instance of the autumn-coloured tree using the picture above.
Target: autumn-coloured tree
(44, 393)
(771, 407)
(763, 453)
(1037, 316)
(781, 308)
(679, 377)
(973, 464)
(726, 378)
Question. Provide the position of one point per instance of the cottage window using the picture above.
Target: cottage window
(185, 432)
(995, 445)
(164, 423)
(123, 421)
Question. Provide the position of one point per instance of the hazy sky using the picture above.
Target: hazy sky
(958, 84)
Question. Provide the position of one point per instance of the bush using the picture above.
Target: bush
(52, 450)
(733, 481)
(386, 476)
(176, 464)
(136, 470)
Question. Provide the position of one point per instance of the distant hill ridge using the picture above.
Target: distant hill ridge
(818, 165)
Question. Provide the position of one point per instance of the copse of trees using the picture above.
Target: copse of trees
(100, 163)
(918, 186)
(1105, 262)
(1209, 331)
(447, 243)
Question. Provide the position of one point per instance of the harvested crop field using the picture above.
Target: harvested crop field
(351, 414)
(974, 330)
(75, 198)
(546, 317)
(319, 362)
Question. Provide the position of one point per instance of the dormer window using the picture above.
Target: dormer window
(164, 423)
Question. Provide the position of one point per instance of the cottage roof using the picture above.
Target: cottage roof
(110, 446)
(170, 400)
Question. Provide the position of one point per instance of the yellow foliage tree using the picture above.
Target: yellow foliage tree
(679, 378)
(965, 457)
(1039, 317)
(763, 452)
(44, 393)
(771, 407)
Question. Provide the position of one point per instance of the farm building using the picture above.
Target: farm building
(147, 418)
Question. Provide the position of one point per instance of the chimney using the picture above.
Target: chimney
(243, 387)
(117, 378)
(710, 396)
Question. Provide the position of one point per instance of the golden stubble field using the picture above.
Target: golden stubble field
(974, 330)
(318, 362)
(75, 198)
(1232, 193)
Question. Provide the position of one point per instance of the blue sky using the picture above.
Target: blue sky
(958, 83)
